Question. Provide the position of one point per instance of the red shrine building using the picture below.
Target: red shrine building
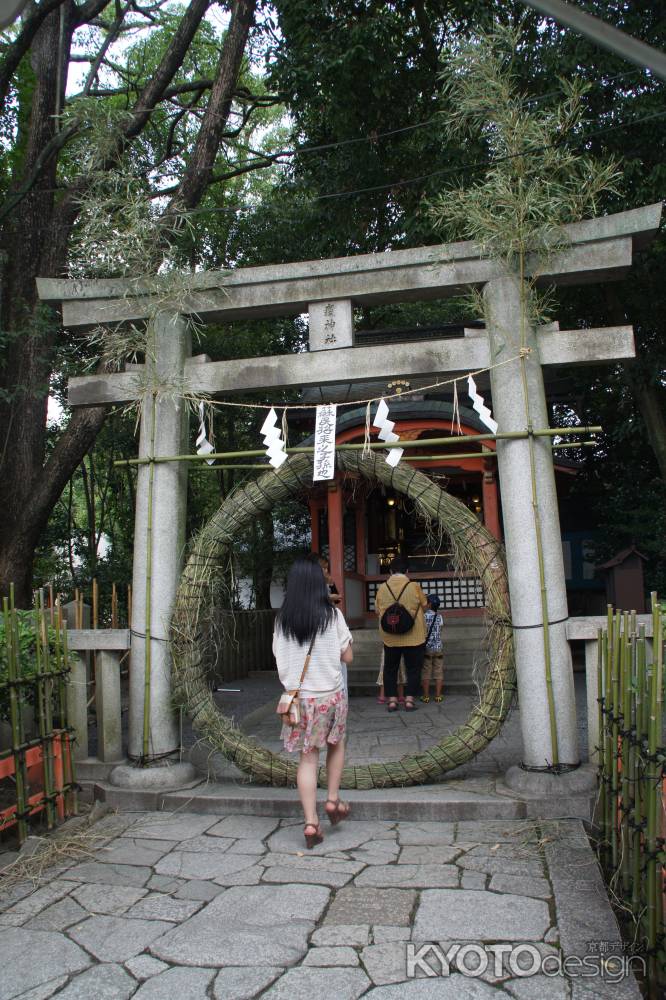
(360, 526)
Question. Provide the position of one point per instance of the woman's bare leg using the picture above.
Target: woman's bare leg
(306, 779)
(335, 761)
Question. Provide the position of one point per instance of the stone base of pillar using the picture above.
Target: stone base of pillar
(163, 777)
(583, 779)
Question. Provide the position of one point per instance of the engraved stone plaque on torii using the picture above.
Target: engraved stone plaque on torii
(597, 250)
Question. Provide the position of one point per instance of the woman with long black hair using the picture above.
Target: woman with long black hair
(308, 617)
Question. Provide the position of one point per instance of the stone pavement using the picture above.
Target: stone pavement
(374, 735)
(191, 906)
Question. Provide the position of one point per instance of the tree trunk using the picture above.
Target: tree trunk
(24, 379)
(34, 241)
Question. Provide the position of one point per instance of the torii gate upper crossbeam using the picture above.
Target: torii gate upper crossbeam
(598, 250)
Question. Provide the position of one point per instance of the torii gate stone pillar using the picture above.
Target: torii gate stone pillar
(504, 315)
(159, 544)
(596, 250)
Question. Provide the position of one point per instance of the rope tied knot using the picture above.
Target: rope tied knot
(524, 352)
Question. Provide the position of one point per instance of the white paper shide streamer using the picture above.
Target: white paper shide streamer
(485, 415)
(204, 447)
(386, 433)
(272, 435)
(324, 446)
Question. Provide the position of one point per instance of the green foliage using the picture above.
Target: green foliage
(535, 182)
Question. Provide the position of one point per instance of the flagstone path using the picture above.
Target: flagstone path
(190, 906)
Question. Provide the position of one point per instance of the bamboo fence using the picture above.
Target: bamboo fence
(632, 756)
(36, 770)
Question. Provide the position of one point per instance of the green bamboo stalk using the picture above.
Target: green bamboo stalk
(639, 797)
(634, 772)
(72, 802)
(61, 701)
(373, 445)
(625, 753)
(615, 791)
(149, 582)
(654, 868)
(44, 734)
(608, 739)
(488, 453)
(48, 704)
(652, 778)
(16, 717)
(600, 727)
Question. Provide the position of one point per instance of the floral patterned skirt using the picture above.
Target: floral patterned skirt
(323, 721)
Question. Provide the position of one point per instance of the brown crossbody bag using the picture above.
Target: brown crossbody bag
(288, 707)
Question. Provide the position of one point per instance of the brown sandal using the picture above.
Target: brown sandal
(312, 839)
(340, 810)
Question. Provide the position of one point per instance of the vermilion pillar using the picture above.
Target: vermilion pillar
(491, 517)
(336, 546)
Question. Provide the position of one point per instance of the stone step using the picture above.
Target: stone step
(437, 803)
(462, 664)
(474, 633)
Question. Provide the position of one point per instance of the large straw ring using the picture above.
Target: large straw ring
(474, 550)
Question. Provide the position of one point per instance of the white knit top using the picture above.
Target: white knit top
(324, 675)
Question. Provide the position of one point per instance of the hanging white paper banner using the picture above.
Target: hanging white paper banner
(204, 447)
(324, 453)
(386, 433)
(272, 435)
(477, 404)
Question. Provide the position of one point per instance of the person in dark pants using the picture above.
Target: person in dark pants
(399, 588)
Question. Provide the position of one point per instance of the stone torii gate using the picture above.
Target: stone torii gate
(598, 249)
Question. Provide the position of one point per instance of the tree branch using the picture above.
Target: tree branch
(88, 11)
(198, 170)
(112, 33)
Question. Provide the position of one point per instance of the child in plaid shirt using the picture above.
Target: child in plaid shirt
(433, 661)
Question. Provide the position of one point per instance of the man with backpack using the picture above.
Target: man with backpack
(400, 606)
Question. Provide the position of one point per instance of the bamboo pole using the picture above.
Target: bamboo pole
(638, 813)
(608, 737)
(446, 457)
(43, 700)
(149, 582)
(653, 788)
(114, 606)
(95, 602)
(601, 728)
(615, 737)
(16, 716)
(72, 803)
(625, 675)
(651, 838)
(62, 703)
(373, 445)
(129, 605)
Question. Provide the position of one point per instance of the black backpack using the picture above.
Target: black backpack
(397, 620)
